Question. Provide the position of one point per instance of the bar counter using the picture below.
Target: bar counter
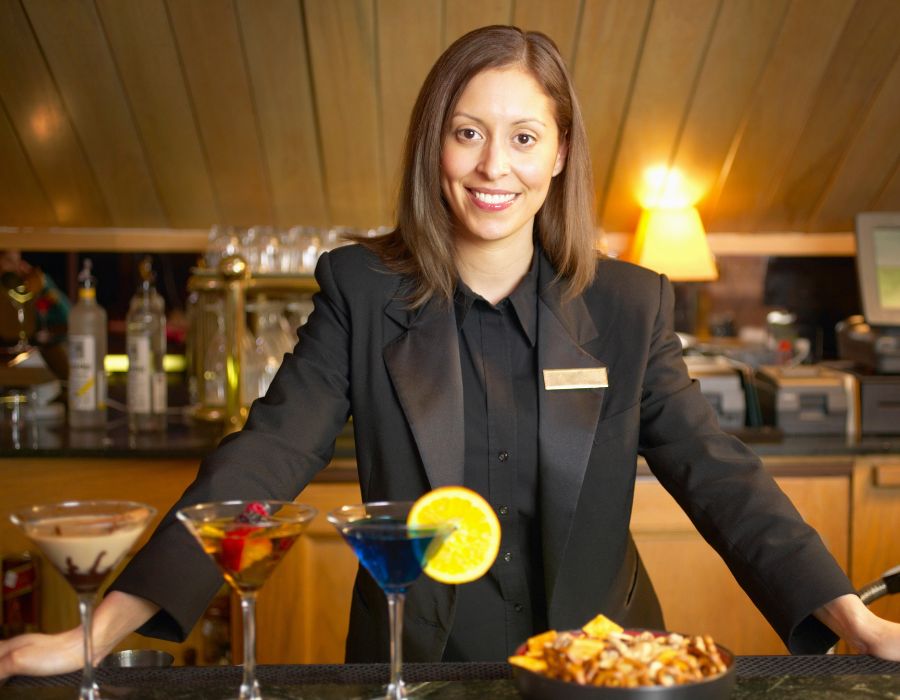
(778, 677)
(185, 438)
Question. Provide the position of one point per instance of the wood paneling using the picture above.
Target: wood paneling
(696, 590)
(211, 49)
(144, 49)
(871, 159)
(277, 60)
(609, 45)
(77, 53)
(779, 111)
(876, 521)
(342, 50)
(404, 58)
(676, 43)
(782, 114)
(856, 70)
(461, 16)
(35, 108)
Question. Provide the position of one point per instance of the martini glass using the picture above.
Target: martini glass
(85, 541)
(247, 539)
(395, 554)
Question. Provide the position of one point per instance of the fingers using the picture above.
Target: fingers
(40, 655)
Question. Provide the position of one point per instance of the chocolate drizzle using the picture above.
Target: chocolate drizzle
(89, 581)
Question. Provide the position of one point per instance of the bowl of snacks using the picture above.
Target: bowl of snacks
(603, 661)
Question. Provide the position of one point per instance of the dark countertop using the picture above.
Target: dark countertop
(186, 438)
(778, 677)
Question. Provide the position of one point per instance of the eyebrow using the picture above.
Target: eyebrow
(523, 120)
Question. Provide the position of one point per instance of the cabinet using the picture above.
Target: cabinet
(875, 524)
(695, 588)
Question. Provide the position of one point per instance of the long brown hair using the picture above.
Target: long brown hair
(421, 246)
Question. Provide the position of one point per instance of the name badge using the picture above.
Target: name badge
(577, 378)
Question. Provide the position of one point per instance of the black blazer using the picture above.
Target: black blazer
(398, 371)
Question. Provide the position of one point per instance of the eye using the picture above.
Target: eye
(467, 134)
(524, 139)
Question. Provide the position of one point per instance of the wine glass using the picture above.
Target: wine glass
(247, 539)
(85, 541)
(395, 553)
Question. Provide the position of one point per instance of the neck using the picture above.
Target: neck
(493, 269)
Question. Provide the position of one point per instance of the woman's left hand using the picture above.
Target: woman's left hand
(863, 630)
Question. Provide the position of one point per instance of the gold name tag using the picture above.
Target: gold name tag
(578, 378)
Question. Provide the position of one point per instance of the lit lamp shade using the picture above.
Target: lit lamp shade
(673, 242)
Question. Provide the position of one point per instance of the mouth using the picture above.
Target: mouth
(491, 201)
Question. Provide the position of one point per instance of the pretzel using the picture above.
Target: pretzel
(603, 654)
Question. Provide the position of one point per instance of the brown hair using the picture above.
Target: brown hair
(421, 246)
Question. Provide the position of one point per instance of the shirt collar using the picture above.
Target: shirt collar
(523, 300)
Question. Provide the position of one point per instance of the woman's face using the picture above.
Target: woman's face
(499, 155)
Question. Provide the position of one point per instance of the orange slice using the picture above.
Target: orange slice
(470, 550)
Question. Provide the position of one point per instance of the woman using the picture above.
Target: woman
(483, 343)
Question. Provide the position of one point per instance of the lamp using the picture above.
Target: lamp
(672, 241)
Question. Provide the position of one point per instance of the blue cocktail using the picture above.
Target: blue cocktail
(395, 554)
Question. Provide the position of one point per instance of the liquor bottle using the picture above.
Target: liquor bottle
(145, 340)
(87, 352)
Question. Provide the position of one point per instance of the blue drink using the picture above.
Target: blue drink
(393, 552)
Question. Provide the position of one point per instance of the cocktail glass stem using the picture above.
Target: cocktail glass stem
(249, 686)
(89, 689)
(396, 688)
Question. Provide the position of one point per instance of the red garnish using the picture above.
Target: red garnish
(253, 513)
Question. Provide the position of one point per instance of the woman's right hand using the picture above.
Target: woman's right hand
(49, 654)
(41, 654)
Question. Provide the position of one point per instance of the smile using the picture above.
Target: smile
(492, 202)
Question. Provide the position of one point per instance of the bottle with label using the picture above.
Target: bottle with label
(145, 340)
(87, 352)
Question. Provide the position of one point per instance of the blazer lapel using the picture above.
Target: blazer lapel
(568, 418)
(424, 366)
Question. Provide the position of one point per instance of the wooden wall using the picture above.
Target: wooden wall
(183, 113)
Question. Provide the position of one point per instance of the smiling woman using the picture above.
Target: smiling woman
(500, 153)
(439, 339)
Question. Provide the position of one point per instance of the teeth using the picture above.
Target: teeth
(493, 198)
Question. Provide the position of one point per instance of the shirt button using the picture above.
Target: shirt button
(518, 607)
(503, 510)
(503, 456)
(507, 556)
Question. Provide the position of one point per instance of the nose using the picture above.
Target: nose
(494, 162)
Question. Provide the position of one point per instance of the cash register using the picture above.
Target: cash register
(869, 344)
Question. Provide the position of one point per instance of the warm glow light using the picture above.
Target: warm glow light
(44, 123)
(672, 241)
(668, 188)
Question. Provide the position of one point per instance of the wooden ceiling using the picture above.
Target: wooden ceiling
(184, 113)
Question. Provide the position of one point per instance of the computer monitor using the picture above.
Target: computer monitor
(878, 266)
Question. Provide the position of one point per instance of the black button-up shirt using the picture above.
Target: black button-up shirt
(498, 354)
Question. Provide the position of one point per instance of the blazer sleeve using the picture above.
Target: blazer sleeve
(780, 561)
(289, 436)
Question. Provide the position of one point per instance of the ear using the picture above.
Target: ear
(561, 154)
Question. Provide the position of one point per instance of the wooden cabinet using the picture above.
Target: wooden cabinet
(875, 526)
(23, 481)
(303, 610)
(696, 590)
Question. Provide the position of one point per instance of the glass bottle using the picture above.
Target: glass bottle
(87, 352)
(145, 340)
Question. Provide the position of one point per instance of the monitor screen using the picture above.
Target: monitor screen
(878, 266)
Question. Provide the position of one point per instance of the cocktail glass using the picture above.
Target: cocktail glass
(85, 541)
(247, 540)
(395, 554)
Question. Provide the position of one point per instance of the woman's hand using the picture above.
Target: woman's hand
(48, 654)
(863, 630)
(41, 654)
